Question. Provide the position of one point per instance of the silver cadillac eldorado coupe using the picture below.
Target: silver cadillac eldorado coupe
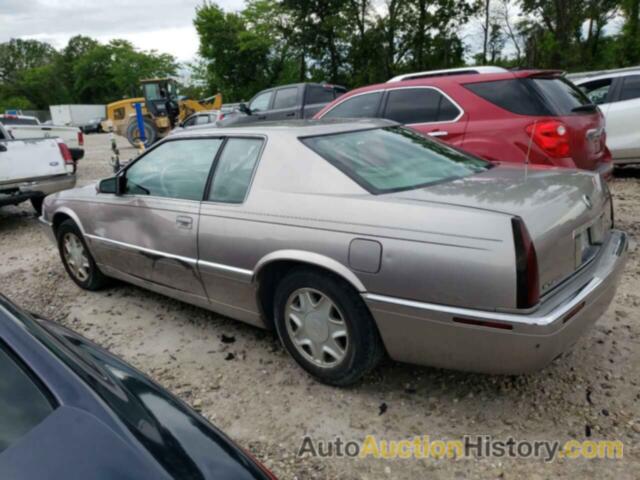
(352, 239)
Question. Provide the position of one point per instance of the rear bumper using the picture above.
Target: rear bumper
(19, 192)
(430, 334)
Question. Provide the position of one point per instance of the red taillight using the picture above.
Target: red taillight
(80, 138)
(527, 275)
(66, 153)
(552, 137)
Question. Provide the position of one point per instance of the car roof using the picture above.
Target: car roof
(443, 81)
(293, 128)
(447, 72)
(579, 78)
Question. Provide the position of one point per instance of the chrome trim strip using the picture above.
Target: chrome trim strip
(193, 261)
(226, 268)
(532, 319)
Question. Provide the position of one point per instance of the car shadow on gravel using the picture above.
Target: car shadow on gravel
(632, 171)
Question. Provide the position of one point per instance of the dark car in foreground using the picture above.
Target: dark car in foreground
(511, 116)
(71, 410)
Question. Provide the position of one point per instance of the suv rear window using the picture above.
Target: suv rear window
(319, 94)
(532, 96)
(392, 159)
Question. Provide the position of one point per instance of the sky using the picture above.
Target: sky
(164, 25)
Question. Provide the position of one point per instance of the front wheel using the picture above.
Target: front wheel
(326, 327)
(77, 259)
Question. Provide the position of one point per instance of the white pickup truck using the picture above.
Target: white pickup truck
(32, 168)
(24, 126)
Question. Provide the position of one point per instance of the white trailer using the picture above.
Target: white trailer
(76, 115)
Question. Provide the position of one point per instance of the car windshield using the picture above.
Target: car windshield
(392, 159)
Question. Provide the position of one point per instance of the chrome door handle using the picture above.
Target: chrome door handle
(438, 133)
(184, 222)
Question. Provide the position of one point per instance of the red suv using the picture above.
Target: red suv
(505, 116)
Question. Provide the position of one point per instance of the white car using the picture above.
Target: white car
(617, 93)
(25, 127)
(32, 169)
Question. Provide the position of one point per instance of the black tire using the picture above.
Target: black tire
(133, 133)
(96, 279)
(364, 350)
(36, 203)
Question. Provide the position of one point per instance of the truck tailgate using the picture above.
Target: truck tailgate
(30, 159)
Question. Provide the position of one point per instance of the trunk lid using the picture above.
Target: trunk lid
(566, 212)
(30, 159)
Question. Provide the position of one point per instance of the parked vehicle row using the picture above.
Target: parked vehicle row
(352, 238)
(26, 127)
(33, 168)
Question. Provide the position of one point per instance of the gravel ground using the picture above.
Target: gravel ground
(253, 391)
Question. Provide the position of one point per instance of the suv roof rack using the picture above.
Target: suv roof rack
(448, 72)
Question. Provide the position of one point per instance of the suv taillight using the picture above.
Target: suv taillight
(527, 274)
(80, 138)
(66, 153)
(551, 136)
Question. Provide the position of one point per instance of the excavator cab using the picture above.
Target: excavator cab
(161, 99)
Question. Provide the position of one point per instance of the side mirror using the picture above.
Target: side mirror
(244, 109)
(113, 185)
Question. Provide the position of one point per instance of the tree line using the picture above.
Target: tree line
(34, 75)
(348, 42)
(358, 42)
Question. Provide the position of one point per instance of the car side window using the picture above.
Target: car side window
(261, 102)
(419, 105)
(286, 98)
(202, 119)
(319, 94)
(359, 106)
(23, 402)
(189, 122)
(630, 87)
(234, 170)
(597, 91)
(175, 169)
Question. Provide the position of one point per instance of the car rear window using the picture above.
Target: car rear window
(319, 94)
(532, 96)
(392, 159)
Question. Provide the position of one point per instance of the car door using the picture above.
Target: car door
(427, 110)
(286, 104)
(623, 130)
(226, 275)
(150, 231)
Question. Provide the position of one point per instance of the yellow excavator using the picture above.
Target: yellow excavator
(162, 110)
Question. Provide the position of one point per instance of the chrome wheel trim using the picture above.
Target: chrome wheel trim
(316, 327)
(75, 256)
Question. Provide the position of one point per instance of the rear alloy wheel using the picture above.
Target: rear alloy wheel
(317, 327)
(77, 259)
(326, 327)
